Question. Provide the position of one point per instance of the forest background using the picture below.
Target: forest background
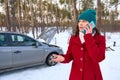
(37, 15)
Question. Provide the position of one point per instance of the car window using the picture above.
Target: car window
(21, 40)
(3, 41)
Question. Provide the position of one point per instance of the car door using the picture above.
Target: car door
(5, 52)
(24, 50)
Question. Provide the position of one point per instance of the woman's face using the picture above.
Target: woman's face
(82, 24)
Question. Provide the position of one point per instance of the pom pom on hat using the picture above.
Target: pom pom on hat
(88, 15)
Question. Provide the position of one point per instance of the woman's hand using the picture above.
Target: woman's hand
(88, 29)
(58, 58)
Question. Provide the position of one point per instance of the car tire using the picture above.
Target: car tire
(49, 61)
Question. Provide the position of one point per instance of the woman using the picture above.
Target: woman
(86, 49)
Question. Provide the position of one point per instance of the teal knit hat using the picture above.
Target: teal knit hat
(88, 15)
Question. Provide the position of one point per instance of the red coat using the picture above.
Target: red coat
(86, 57)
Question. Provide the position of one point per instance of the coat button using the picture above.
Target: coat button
(81, 69)
(81, 48)
(81, 59)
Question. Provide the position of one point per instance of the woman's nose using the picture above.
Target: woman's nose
(80, 24)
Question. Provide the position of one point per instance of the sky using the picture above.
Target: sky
(110, 67)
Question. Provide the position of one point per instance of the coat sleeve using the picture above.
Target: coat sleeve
(68, 55)
(95, 47)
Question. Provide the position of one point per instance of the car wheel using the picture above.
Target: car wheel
(49, 61)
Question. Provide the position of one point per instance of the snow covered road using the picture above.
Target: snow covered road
(58, 72)
(110, 66)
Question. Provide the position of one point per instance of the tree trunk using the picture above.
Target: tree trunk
(41, 15)
(99, 14)
(19, 15)
(8, 21)
(75, 16)
(13, 9)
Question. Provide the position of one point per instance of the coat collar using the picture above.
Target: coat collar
(77, 40)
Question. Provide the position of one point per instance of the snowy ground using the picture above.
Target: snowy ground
(110, 66)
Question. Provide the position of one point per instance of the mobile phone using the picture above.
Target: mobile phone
(92, 24)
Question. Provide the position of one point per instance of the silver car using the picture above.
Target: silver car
(19, 51)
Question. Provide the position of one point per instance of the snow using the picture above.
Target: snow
(110, 67)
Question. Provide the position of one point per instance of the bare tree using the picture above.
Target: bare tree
(13, 12)
(8, 21)
(99, 14)
(75, 15)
